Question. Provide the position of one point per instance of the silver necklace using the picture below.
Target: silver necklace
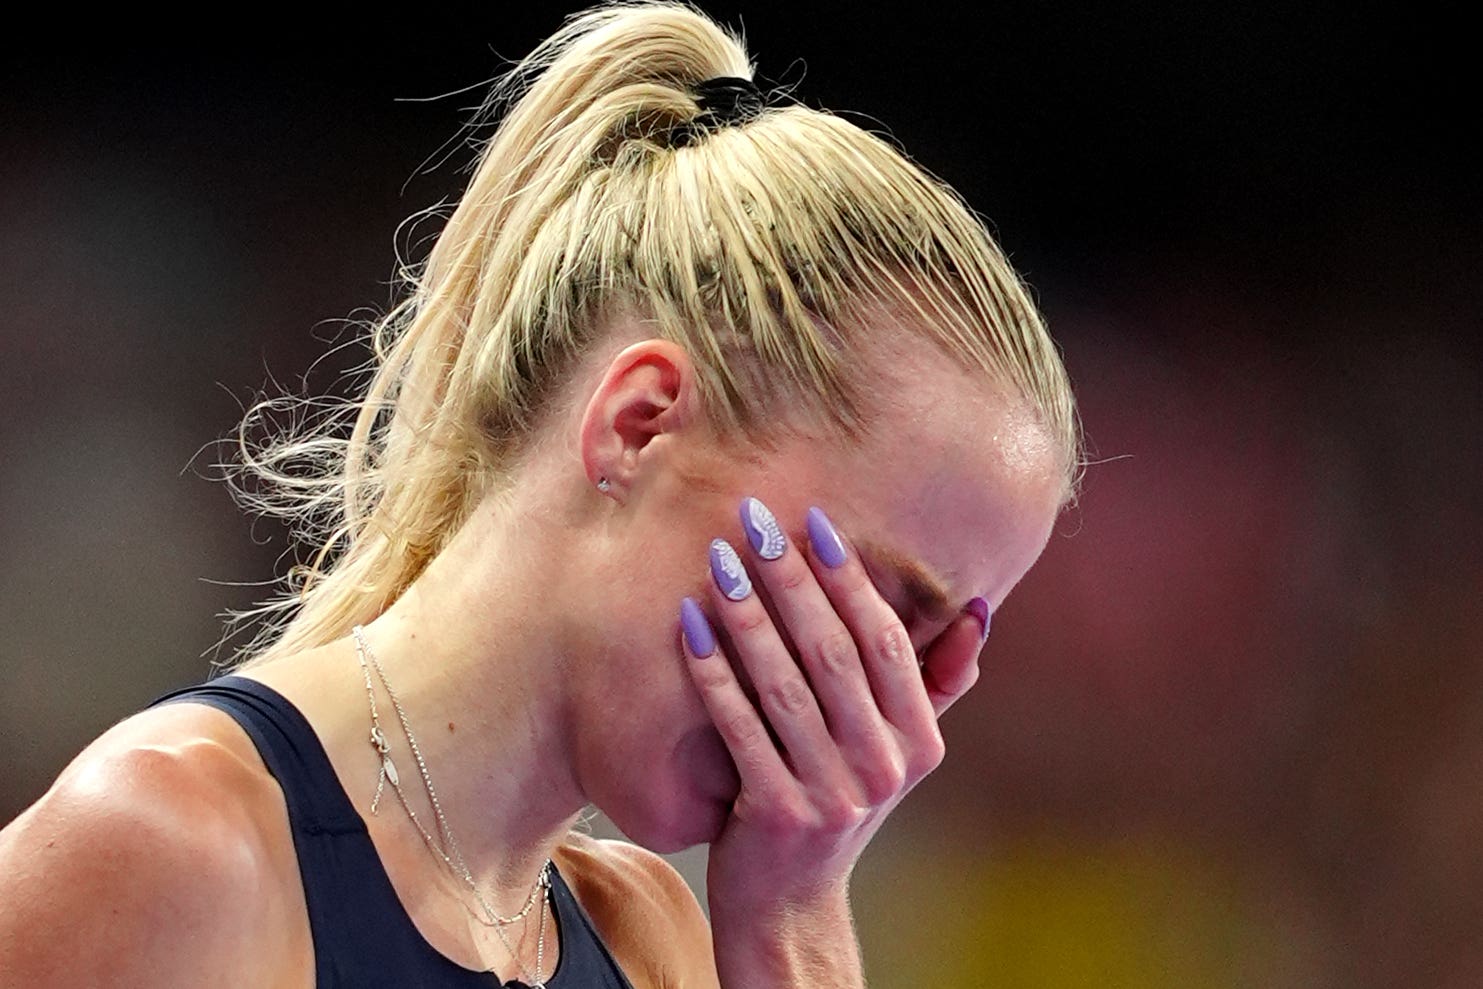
(455, 861)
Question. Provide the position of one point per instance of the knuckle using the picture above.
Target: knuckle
(752, 621)
(789, 816)
(836, 654)
(793, 578)
(929, 753)
(742, 728)
(712, 676)
(883, 780)
(894, 646)
(840, 815)
(853, 579)
(789, 695)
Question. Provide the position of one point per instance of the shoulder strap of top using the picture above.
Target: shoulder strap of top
(289, 748)
(362, 933)
(583, 951)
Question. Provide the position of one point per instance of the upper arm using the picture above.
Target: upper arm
(646, 913)
(131, 871)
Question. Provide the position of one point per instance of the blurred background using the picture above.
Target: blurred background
(1230, 731)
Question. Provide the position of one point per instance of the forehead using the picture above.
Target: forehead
(956, 475)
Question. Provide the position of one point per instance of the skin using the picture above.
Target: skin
(541, 665)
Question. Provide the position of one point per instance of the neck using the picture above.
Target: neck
(476, 655)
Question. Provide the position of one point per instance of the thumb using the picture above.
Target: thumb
(950, 664)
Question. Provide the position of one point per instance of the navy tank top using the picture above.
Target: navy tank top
(363, 937)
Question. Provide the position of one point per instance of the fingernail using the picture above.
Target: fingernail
(727, 569)
(825, 540)
(698, 635)
(762, 529)
(979, 608)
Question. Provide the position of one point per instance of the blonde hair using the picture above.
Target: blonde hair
(762, 248)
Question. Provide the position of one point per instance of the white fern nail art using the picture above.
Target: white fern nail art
(765, 524)
(733, 573)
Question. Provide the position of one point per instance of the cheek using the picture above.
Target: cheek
(664, 790)
(702, 757)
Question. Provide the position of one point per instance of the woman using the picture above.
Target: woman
(707, 440)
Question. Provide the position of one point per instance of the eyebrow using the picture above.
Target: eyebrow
(927, 591)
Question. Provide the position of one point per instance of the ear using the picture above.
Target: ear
(648, 391)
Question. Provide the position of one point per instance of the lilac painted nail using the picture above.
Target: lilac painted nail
(762, 529)
(979, 608)
(698, 635)
(727, 569)
(825, 540)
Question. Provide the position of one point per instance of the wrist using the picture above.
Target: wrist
(772, 908)
(799, 940)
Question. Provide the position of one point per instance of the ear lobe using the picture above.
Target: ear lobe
(647, 391)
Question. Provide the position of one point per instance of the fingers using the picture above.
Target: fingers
(783, 692)
(758, 761)
(855, 703)
(826, 647)
(889, 660)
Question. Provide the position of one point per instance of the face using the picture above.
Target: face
(952, 495)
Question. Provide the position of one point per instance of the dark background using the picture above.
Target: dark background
(1230, 730)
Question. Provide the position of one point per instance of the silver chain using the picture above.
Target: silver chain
(540, 891)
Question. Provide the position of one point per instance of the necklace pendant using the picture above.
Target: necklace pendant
(389, 768)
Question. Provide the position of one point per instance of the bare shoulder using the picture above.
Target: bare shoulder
(146, 862)
(644, 910)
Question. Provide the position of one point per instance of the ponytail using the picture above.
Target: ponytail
(761, 239)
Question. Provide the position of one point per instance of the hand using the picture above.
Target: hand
(854, 715)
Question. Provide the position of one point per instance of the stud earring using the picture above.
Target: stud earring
(604, 485)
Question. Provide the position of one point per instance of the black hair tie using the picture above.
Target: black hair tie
(729, 99)
(724, 101)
